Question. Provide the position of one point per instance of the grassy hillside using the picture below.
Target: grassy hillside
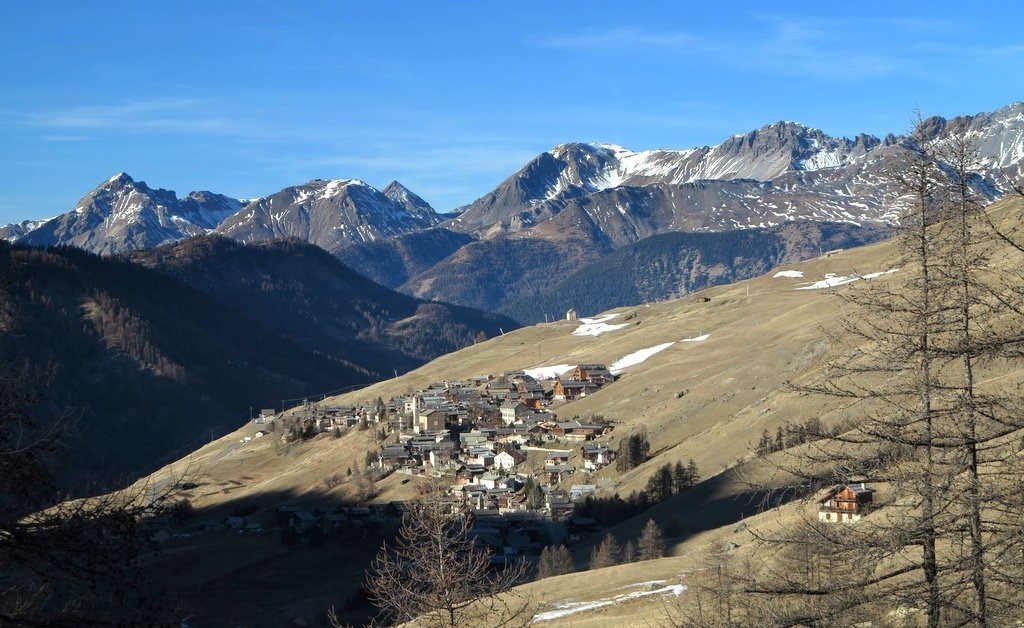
(706, 399)
(155, 357)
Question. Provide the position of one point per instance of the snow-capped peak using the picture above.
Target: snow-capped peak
(121, 177)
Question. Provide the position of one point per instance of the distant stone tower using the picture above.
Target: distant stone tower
(570, 315)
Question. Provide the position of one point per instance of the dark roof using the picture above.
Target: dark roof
(574, 383)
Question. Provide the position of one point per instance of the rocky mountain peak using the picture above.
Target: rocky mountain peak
(406, 198)
(122, 214)
(331, 213)
(121, 178)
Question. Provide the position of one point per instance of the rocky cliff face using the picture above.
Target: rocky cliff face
(122, 214)
(330, 214)
(780, 172)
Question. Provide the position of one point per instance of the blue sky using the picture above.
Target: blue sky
(452, 97)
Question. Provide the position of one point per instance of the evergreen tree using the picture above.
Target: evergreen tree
(660, 485)
(555, 560)
(629, 552)
(764, 446)
(623, 459)
(652, 543)
(693, 472)
(679, 478)
(534, 494)
(606, 554)
(933, 422)
(633, 450)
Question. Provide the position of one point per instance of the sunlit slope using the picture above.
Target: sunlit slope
(707, 399)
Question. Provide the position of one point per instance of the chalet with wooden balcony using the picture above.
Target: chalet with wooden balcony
(593, 373)
(569, 390)
(846, 504)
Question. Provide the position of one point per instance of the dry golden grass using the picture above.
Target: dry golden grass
(763, 333)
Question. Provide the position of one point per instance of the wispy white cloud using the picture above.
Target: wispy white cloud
(785, 44)
(141, 115)
(64, 138)
(619, 38)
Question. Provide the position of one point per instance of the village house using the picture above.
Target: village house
(474, 438)
(576, 431)
(596, 456)
(480, 456)
(467, 474)
(462, 395)
(516, 435)
(556, 465)
(846, 504)
(538, 416)
(594, 373)
(570, 390)
(488, 480)
(333, 523)
(501, 390)
(513, 411)
(560, 507)
(395, 455)
(556, 458)
(431, 420)
(301, 521)
(511, 503)
(440, 458)
(508, 459)
(579, 491)
(531, 394)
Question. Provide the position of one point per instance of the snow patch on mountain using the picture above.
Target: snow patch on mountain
(548, 372)
(637, 357)
(597, 326)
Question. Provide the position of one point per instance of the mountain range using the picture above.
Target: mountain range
(569, 207)
(122, 214)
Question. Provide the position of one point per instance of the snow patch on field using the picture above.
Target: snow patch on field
(879, 274)
(794, 274)
(597, 326)
(832, 279)
(596, 329)
(637, 357)
(548, 372)
(563, 609)
(598, 319)
(696, 338)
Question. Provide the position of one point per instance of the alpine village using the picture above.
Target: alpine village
(773, 380)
